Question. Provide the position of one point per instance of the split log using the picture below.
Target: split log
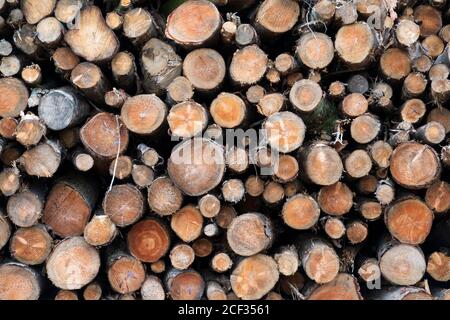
(138, 26)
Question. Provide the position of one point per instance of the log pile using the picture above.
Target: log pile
(118, 179)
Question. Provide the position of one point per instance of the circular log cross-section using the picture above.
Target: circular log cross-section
(104, 136)
(187, 223)
(196, 166)
(407, 32)
(305, 95)
(358, 164)
(285, 131)
(164, 197)
(322, 164)
(13, 97)
(148, 240)
(187, 285)
(300, 212)
(343, 287)
(319, 260)
(31, 245)
(429, 19)
(228, 110)
(143, 114)
(402, 264)
(315, 50)
(205, 69)
(66, 210)
(72, 264)
(124, 204)
(437, 266)
(275, 17)
(24, 208)
(18, 282)
(409, 220)
(254, 277)
(354, 44)
(100, 231)
(125, 274)
(187, 119)
(365, 128)
(335, 199)
(395, 64)
(249, 234)
(202, 26)
(248, 65)
(414, 165)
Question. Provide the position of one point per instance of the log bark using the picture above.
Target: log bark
(160, 66)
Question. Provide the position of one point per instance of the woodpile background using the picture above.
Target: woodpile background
(97, 99)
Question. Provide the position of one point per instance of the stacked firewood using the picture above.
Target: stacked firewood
(119, 182)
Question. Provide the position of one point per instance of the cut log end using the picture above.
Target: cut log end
(301, 212)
